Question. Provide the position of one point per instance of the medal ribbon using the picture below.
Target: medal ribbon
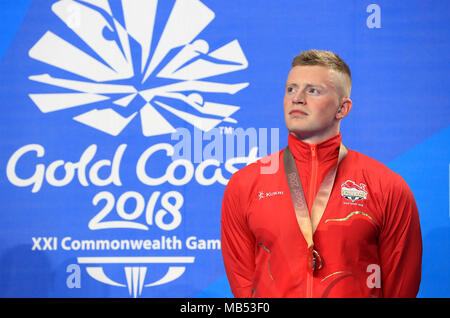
(307, 223)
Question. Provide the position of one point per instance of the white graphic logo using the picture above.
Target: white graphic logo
(136, 270)
(352, 191)
(116, 74)
(120, 62)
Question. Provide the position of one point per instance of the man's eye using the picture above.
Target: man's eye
(313, 91)
(290, 89)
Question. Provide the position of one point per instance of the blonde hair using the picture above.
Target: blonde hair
(329, 60)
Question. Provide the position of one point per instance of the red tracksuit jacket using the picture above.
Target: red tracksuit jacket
(368, 239)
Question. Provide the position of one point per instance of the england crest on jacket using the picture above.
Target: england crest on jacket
(353, 192)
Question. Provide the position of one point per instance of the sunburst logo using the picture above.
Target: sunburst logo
(122, 72)
(135, 269)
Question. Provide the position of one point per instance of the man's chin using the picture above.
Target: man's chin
(300, 132)
(303, 134)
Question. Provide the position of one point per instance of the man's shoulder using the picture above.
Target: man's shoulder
(364, 161)
(373, 168)
(261, 168)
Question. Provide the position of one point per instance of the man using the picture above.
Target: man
(329, 222)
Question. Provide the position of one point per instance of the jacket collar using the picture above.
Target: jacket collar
(326, 150)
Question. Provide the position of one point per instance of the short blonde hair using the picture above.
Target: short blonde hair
(329, 60)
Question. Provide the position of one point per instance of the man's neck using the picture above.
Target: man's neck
(315, 139)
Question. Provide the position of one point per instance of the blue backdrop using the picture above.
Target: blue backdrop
(92, 93)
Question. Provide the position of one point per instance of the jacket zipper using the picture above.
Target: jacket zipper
(312, 188)
(312, 185)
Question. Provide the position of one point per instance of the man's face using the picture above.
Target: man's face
(311, 103)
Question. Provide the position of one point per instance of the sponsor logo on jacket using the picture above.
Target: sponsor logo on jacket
(263, 195)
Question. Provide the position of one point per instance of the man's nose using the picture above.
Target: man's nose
(299, 98)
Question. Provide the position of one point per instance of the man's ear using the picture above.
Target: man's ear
(345, 108)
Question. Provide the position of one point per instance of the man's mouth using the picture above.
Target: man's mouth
(297, 112)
